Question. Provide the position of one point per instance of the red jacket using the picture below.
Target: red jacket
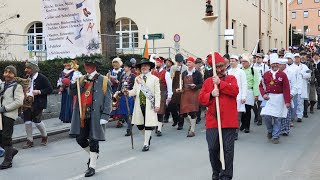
(228, 91)
(280, 85)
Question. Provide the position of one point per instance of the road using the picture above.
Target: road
(175, 157)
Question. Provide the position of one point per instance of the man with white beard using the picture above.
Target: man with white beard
(275, 88)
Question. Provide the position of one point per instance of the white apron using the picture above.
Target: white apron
(250, 97)
(241, 107)
(275, 106)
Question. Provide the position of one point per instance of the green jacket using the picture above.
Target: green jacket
(252, 80)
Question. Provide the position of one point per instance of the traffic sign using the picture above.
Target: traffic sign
(154, 36)
(176, 38)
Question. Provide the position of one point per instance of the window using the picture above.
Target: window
(293, 15)
(275, 9)
(233, 26)
(275, 43)
(316, 1)
(281, 12)
(305, 14)
(36, 40)
(318, 27)
(128, 36)
(244, 37)
(299, 2)
(319, 13)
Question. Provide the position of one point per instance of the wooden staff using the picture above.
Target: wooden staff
(129, 114)
(218, 116)
(79, 97)
(0, 121)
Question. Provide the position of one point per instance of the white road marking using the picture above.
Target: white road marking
(104, 168)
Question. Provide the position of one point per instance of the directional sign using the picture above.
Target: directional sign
(228, 34)
(154, 36)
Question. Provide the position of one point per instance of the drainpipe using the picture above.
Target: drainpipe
(260, 34)
(287, 25)
(219, 26)
(227, 24)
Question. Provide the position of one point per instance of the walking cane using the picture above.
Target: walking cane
(218, 117)
(129, 114)
(79, 97)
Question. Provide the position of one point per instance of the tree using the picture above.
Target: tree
(296, 38)
(108, 28)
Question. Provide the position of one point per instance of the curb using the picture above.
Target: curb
(20, 139)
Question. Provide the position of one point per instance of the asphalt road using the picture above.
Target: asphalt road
(174, 156)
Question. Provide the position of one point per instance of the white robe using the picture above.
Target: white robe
(242, 84)
(261, 69)
(303, 76)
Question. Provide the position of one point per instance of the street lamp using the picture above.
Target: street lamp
(11, 17)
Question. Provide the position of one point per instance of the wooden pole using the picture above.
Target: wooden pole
(223, 166)
(129, 116)
(79, 97)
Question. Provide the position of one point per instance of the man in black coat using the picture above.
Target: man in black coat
(38, 90)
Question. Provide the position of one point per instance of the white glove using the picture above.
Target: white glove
(168, 101)
(103, 121)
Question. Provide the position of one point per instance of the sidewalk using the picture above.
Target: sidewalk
(53, 126)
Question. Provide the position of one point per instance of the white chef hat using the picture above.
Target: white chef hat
(274, 58)
(289, 55)
(283, 61)
(234, 57)
(296, 55)
(266, 58)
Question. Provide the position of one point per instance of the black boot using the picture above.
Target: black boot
(89, 172)
(7, 162)
(128, 132)
(180, 123)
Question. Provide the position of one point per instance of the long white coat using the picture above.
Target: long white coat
(242, 84)
(151, 118)
(303, 76)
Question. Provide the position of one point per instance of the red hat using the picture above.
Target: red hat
(159, 60)
(218, 58)
(190, 59)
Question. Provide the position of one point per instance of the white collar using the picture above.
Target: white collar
(67, 71)
(192, 71)
(35, 76)
(91, 75)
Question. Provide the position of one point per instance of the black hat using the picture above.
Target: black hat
(179, 58)
(93, 61)
(128, 63)
(198, 60)
(145, 61)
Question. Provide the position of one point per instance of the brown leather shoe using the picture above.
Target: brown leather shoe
(28, 145)
(44, 141)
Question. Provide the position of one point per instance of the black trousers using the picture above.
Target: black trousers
(84, 138)
(142, 127)
(193, 115)
(246, 117)
(305, 107)
(6, 132)
(173, 108)
(228, 136)
(257, 110)
(31, 114)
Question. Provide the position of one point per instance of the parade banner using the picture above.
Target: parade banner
(70, 28)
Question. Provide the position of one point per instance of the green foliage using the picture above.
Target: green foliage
(52, 68)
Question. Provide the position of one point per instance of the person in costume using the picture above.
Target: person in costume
(275, 89)
(115, 75)
(165, 91)
(190, 88)
(63, 84)
(227, 91)
(169, 63)
(199, 67)
(95, 95)
(126, 83)
(252, 92)
(303, 76)
(176, 74)
(240, 75)
(146, 89)
(11, 99)
(261, 68)
(39, 88)
(292, 77)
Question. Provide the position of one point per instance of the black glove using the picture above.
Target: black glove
(2, 109)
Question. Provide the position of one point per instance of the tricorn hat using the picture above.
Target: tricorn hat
(93, 61)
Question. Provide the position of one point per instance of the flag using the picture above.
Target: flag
(256, 48)
(146, 51)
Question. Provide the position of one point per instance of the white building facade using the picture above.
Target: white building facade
(170, 17)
